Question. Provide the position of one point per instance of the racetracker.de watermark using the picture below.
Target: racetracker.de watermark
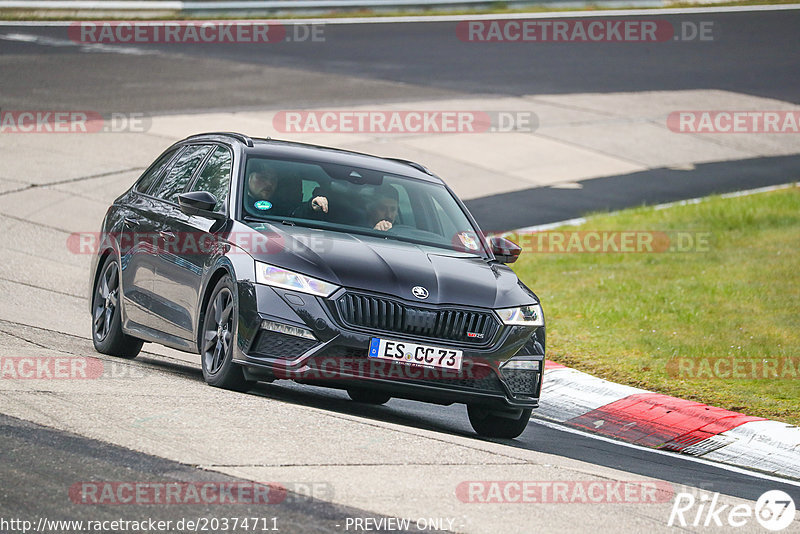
(414, 364)
(194, 32)
(176, 493)
(732, 367)
(64, 368)
(265, 242)
(187, 243)
(611, 241)
(564, 492)
(405, 121)
(60, 121)
(734, 121)
(584, 31)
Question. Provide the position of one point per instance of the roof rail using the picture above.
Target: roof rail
(241, 137)
(412, 164)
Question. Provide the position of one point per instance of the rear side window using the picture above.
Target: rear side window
(179, 175)
(216, 177)
(147, 179)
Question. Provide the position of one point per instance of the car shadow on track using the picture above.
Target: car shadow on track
(395, 411)
(447, 419)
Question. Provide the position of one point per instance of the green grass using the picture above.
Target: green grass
(499, 8)
(623, 316)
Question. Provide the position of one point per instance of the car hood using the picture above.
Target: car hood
(393, 267)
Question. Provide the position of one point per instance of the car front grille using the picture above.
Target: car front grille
(387, 315)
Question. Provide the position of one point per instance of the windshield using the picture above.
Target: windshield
(356, 200)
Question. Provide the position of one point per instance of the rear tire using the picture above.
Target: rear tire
(217, 339)
(107, 334)
(368, 396)
(492, 424)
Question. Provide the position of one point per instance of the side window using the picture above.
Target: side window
(179, 175)
(147, 179)
(216, 177)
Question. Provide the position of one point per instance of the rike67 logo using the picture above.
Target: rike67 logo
(774, 510)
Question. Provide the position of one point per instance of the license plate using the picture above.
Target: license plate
(412, 353)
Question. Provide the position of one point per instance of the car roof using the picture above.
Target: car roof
(283, 149)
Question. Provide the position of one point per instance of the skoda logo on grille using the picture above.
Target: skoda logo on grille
(419, 292)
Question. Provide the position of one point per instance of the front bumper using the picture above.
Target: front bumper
(334, 354)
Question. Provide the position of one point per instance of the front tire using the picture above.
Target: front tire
(107, 334)
(492, 424)
(217, 339)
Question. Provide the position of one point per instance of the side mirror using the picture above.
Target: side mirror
(504, 250)
(199, 203)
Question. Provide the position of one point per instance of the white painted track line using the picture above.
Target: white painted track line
(492, 16)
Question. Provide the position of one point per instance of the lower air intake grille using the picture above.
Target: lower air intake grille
(356, 362)
(522, 381)
(277, 345)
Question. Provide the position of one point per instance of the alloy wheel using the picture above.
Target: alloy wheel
(218, 331)
(106, 300)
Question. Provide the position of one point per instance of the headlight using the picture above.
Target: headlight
(530, 315)
(277, 277)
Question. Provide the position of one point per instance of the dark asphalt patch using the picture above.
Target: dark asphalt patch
(542, 205)
(39, 465)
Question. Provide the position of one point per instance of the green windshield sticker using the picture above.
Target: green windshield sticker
(263, 205)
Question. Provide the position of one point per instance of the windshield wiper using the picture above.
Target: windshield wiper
(250, 218)
(287, 222)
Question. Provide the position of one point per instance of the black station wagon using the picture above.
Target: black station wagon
(281, 260)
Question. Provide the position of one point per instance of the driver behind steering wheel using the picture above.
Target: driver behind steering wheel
(383, 207)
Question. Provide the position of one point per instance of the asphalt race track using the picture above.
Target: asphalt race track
(412, 60)
(50, 438)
